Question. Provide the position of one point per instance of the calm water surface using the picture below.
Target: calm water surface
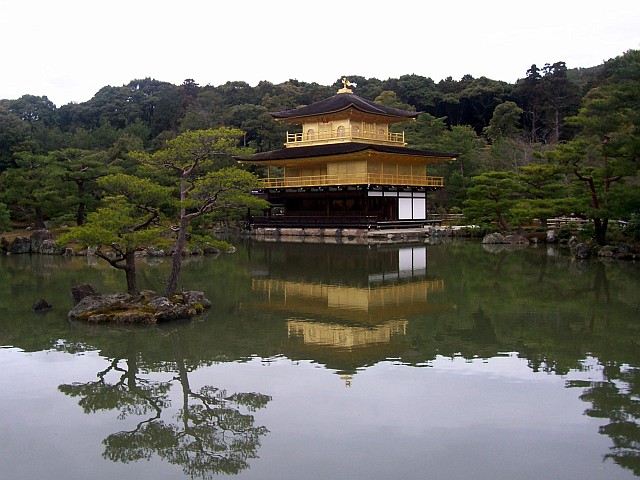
(330, 361)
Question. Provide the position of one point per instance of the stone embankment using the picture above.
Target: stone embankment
(354, 235)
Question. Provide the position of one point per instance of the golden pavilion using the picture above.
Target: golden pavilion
(346, 168)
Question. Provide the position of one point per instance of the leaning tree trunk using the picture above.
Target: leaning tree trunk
(129, 267)
(502, 222)
(176, 260)
(130, 272)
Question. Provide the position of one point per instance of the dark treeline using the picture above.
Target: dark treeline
(495, 126)
(152, 110)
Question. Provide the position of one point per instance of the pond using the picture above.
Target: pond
(325, 361)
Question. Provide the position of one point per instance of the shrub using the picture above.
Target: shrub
(65, 220)
(565, 233)
(632, 229)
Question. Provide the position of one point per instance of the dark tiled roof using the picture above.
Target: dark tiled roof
(343, 101)
(338, 149)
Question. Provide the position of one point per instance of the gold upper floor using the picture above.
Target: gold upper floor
(323, 131)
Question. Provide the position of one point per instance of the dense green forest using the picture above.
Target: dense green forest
(557, 142)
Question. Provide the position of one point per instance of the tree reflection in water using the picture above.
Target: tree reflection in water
(208, 435)
(617, 399)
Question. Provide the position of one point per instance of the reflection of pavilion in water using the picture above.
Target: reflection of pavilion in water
(366, 314)
(348, 306)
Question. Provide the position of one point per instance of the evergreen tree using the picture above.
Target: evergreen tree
(192, 161)
(127, 221)
(605, 155)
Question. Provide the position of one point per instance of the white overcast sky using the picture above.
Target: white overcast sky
(69, 49)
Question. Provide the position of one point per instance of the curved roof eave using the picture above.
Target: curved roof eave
(341, 102)
(338, 149)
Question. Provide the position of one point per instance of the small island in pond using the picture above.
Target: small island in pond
(146, 307)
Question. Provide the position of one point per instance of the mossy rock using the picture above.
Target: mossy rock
(145, 308)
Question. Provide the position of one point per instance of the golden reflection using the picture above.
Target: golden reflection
(344, 336)
(345, 310)
(367, 304)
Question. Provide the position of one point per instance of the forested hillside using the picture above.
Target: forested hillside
(558, 141)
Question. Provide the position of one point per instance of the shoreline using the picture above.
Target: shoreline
(42, 241)
(356, 235)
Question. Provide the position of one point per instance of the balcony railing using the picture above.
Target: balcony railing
(352, 179)
(346, 135)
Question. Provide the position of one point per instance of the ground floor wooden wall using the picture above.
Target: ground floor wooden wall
(384, 205)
